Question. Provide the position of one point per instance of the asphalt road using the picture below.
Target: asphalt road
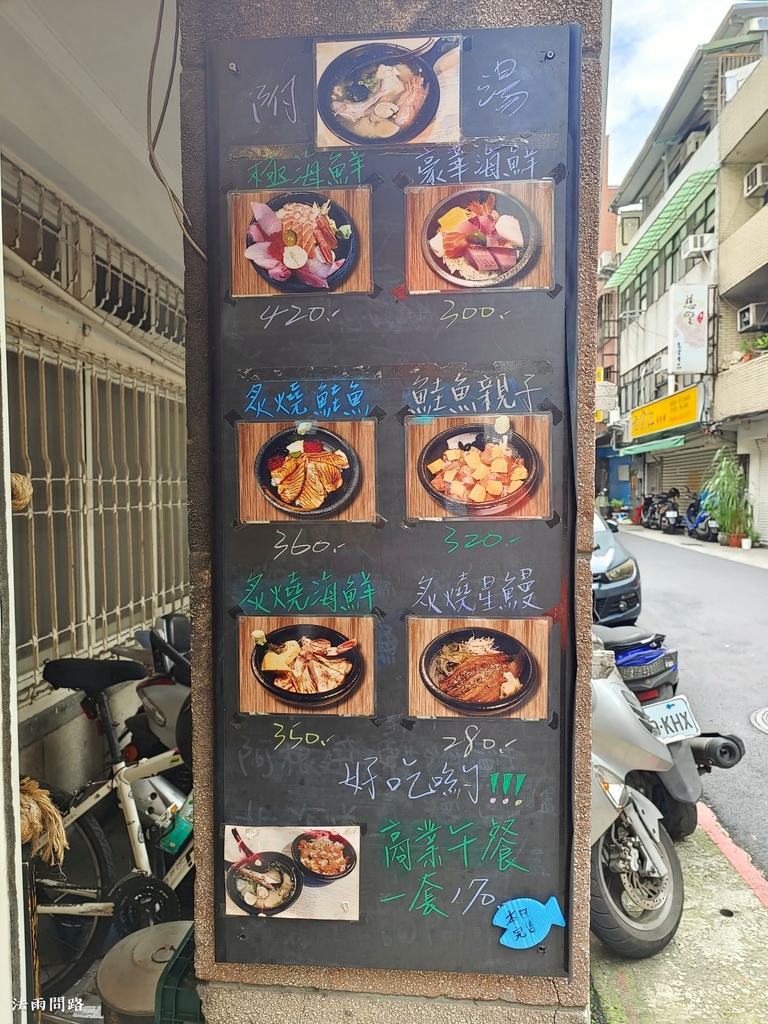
(715, 613)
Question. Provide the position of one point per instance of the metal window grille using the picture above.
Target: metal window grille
(101, 550)
(83, 259)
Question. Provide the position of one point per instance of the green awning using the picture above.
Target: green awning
(666, 219)
(654, 446)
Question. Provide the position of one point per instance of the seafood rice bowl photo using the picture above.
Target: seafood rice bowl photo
(478, 238)
(301, 242)
(324, 856)
(306, 665)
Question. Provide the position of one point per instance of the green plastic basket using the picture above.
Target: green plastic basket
(176, 1000)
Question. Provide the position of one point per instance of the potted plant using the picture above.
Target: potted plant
(727, 500)
(751, 347)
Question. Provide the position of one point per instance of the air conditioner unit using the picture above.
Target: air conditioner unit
(692, 143)
(753, 317)
(696, 245)
(606, 264)
(756, 181)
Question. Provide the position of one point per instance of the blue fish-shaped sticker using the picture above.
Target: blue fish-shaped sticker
(527, 922)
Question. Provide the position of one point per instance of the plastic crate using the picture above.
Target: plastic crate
(177, 1001)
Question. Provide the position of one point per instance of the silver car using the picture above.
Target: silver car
(615, 579)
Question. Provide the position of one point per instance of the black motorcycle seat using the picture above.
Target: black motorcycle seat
(90, 675)
(620, 638)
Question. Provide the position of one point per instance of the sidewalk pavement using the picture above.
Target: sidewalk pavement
(757, 557)
(716, 967)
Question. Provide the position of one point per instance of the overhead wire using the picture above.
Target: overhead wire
(181, 215)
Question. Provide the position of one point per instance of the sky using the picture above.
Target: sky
(651, 44)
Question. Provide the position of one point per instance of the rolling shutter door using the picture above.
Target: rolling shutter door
(761, 497)
(687, 468)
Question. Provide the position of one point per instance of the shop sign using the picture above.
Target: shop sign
(688, 328)
(670, 413)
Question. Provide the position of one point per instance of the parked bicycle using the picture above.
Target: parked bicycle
(79, 901)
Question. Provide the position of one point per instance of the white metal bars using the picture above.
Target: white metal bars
(88, 263)
(101, 550)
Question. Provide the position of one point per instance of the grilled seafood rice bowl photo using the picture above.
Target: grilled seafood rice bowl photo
(301, 242)
(324, 856)
(478, 671)
(306, 665)
(307, 475)
(264, 884)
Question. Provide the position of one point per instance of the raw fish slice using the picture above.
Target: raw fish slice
(330, 477)
(298, 217)
(505, 258)
(509, 229)
(479, 258)
(312, 493)
(279, 272)
(255, 234)
(292, 483)
(259, 254)
(316, 273)
(338, 459)
(454, 244)
(266, 218)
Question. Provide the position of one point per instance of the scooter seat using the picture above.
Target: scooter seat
(621, 638)
(89, 674)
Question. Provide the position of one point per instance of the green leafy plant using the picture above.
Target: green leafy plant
(754, 346)
(727, 500)
(617, 503)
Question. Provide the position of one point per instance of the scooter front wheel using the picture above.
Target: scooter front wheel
(634, 914)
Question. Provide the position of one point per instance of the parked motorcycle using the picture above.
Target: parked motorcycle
(698, 521)
(669, 513)
(645, 663)
(654, 505)
(646, 766)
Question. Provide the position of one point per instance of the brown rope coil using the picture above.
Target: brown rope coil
(21, 491)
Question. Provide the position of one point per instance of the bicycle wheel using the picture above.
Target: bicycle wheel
(68, 944)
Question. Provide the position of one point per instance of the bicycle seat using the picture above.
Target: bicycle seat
(620, 638)
(89, 674)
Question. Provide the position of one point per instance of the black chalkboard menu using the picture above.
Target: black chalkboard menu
(392, 264)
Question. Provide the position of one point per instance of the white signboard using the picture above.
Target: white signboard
(688, 328)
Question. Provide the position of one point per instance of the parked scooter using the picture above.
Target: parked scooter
(646, 664)
(669, 513)
(643, 757)
(698, 521)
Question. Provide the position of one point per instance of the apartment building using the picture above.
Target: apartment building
(679, 206)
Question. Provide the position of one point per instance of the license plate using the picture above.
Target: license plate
(671, 515)
(714, 526)
(674, 719)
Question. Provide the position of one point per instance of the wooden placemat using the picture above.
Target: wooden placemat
(445, 126)
(421, 504)
(246, 282)
(533, 633)
(420, 279)
(256, 700)
(254, 507)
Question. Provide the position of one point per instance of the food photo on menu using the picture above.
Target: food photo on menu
(388, 91)
(300, 242)
(293, 872)
(478, 467)
(476, 237)
(307, 665)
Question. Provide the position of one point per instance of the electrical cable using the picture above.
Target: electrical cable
(181, 215)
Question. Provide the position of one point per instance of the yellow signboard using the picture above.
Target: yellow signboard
(677, 410)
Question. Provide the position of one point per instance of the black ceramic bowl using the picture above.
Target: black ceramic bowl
(336, 500)
(505, 204)
(312, 632)
(478, 434)
(350, 854)
(346, 69)
(346, 248)
(504, 643)
(261, 862)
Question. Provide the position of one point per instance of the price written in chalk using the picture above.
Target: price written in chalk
(296, 546)
(289, 315)
(474, 540)
(452, 314)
